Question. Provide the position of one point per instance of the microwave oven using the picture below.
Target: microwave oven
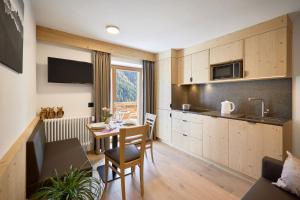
(231, 70)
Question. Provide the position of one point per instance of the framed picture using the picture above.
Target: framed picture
(11, 34)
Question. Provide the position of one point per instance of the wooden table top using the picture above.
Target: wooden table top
(106, 132)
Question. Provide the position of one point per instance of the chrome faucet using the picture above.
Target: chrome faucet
(263, 110)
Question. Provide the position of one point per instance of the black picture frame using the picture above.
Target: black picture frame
(11, 34)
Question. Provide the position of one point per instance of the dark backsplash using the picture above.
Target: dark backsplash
(277, 94)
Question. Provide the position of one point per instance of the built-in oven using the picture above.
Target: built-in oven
(230, 70)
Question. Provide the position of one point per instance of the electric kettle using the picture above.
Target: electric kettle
(227, 107)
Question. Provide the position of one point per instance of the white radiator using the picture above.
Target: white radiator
(67, 128)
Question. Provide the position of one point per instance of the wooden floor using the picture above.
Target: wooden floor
(176, 175)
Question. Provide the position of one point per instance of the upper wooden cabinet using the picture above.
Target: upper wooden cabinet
(184, 69)
(163, 83)
(194, 68)
(200, 67)
(226, 53)
(266, 55)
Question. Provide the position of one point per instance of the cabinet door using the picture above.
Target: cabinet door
(208, 138)
(185, 69)
(195, 146)
(196, 130)
(163, 80)
(163, 125)
(221, 147)
(273, 141)
(255, 146)
(227, 53)
(266, 54)
(200, 67)
(238, 146)
(215, 140)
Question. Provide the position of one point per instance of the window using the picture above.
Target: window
(126, 92)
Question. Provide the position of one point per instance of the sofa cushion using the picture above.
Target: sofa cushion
(263, 190)
(60, 155)
(131, 153)
(35, 148)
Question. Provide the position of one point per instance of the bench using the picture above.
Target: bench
(43, 158)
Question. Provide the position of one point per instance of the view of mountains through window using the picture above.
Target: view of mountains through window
(126, 86)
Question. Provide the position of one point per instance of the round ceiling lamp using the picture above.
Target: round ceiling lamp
(112, 29)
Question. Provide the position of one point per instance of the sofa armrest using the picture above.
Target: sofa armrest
(271, 168)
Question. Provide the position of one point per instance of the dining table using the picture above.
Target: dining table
(112, 130)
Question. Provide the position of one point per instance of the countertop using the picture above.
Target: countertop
(253, 119)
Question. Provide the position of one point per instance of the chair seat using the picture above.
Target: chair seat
(131, 153)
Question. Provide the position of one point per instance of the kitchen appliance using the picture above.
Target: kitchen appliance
(230, 70)
(186, 106)
(227, 107)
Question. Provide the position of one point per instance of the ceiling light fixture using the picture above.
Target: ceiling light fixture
(113, 29)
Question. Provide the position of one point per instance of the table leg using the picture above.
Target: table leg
(114, 145)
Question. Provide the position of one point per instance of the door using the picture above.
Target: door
(265, 54)
(126, 92)
(200, 67)
(163, 125)
(238, 145)
(273, 141)
(185, 69)
(163, 81)
(227, 53)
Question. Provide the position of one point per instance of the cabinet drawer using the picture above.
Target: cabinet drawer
(180, 140)
(177, 115)
(195, 118)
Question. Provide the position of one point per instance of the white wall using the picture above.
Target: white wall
(73, 97)
(18, 91)
(295, 17)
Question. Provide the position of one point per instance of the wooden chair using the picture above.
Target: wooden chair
(127, 155)
(150, 119)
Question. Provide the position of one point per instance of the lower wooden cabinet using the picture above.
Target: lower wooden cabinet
(215, 140)
(238, 145)
(250, 142)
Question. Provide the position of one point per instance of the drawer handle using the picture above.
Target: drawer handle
(184, 120)
(185, 135)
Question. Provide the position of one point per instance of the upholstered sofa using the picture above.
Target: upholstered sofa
(43, 158)
(263, 188)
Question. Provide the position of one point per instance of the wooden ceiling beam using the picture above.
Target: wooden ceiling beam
(59, 37)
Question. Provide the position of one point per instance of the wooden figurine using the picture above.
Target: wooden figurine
(43, 113)
(51, 113)
(60, 112)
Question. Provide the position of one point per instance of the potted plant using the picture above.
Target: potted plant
(106, 115)
(75, 185)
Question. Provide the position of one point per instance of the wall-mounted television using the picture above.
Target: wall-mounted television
(69, 71)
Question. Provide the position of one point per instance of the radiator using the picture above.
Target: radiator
(67, 128)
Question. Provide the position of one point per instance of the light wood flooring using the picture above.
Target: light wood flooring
(176, 175)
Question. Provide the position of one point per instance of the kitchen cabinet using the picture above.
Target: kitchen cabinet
(163, 125)
(185, 69)
(250, 142)
(215, 140)
(266, 55)
(187, 132)
(194, 68)
(200, 67)
(227, 53)
(163, 81)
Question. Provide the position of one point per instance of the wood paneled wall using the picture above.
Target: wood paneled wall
(13, 167)
(60, 37)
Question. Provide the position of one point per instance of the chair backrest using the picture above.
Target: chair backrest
(150, 119)
(136, 133)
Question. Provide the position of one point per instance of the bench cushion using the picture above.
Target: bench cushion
(60, 155)
(131, 153)
(263, 190)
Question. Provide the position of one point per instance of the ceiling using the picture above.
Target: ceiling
(158, 25)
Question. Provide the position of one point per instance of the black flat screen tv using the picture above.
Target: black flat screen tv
(69, 71)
